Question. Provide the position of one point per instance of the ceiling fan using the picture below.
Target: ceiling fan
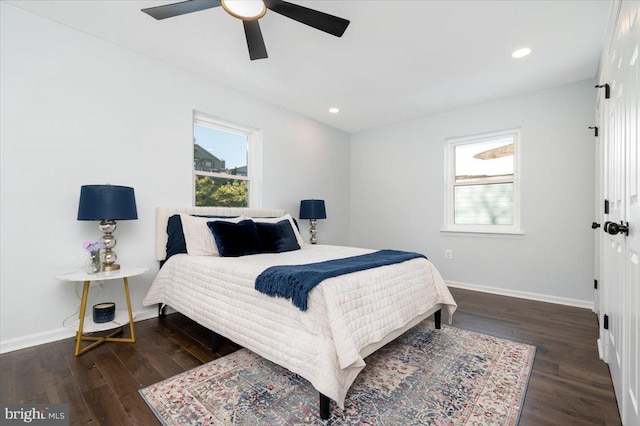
(250, 11)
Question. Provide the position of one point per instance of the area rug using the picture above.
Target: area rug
(425, 377)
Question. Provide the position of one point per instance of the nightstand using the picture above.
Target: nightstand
(122, 317)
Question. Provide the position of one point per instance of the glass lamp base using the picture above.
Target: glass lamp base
(313, 231)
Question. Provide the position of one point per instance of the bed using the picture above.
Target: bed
(348, 317)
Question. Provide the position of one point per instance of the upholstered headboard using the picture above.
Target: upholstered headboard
(164, 213)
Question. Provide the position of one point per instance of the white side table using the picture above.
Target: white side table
(121, 318)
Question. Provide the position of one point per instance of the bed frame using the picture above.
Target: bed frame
(162, 217)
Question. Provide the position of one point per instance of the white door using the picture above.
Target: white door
(613, 249)
(619, 296)
(630, 68)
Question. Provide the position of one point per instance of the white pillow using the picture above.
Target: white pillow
(199, 237)
(278, 219)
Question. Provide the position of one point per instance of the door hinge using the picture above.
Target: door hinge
(606, 206)
(607, 90)
(595, 284)
(605, 324)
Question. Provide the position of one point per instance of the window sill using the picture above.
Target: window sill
(483, 233)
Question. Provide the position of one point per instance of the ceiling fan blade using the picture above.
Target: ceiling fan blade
(176, 9)
(255, 42)
(316, 19)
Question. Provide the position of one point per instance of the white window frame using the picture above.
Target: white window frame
(254, 156)
(499, 230)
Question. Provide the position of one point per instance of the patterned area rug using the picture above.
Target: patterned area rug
(425, 377)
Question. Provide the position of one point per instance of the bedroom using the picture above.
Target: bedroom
(65, 92)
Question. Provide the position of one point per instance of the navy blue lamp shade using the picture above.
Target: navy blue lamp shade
(107, 203)
(312, 209)
(100, 202)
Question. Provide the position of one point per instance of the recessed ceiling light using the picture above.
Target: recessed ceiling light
(334, 110)
(521, 53)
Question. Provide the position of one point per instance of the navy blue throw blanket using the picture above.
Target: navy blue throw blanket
(294, 282)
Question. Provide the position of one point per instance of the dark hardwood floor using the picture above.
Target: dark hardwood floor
(569, 385)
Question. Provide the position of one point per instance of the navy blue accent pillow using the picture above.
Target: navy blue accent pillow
(277, 237)
(236, 239)
(176, 243)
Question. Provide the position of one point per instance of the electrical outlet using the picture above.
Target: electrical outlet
(448, 254)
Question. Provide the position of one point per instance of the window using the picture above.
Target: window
(482, 183)
(226, 161)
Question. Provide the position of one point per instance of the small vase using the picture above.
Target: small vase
(94, 265)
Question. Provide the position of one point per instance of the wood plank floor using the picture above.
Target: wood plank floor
(569, 385)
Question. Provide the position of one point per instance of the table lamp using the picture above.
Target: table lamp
(107, 203)
(312, 210)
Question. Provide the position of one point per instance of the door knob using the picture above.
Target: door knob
(614, 228)
(595, 225)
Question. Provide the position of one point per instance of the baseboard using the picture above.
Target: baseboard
(10, 345)
(523, 295)
(601, 350)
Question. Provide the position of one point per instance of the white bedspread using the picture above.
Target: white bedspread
(322, 344)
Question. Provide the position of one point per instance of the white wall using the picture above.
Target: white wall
(77, 110)
(397, 180)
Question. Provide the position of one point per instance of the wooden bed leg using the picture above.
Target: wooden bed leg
(437, 317)
(324, 406)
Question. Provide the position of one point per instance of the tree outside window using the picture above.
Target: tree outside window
(222, 163)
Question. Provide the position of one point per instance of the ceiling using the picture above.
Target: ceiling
(397, 60)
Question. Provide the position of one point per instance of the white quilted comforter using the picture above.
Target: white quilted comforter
(322, 344)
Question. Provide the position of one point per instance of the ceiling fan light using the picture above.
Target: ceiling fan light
(245, 9)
